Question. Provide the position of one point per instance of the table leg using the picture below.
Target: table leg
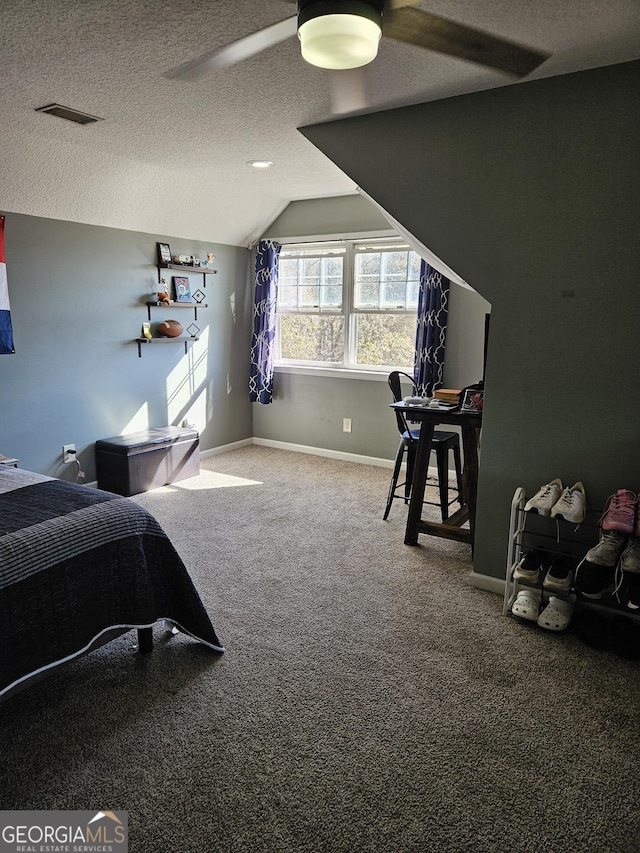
(470, 450)
(420, 471)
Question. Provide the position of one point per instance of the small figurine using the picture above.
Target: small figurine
(163, 295)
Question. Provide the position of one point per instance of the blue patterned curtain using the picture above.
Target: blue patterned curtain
(433, 305)
(264, 322)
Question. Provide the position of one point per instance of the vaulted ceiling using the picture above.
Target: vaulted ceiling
(170, 157)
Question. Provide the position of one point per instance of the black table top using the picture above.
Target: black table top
(440, 416)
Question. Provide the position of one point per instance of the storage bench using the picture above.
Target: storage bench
(140, 461)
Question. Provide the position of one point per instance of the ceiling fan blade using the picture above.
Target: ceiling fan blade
(236, 51)
(414, 26)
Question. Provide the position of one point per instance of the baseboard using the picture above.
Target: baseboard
(226, 448)
(322, 451)
(487, 582)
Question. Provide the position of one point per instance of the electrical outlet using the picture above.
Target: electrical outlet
(68, 453)
(346, 425)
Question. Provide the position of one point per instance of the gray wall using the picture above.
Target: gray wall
(532, 194)
(308, 410)
(77, 302)
(342, 215)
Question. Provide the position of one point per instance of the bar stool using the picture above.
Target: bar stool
(442, 443)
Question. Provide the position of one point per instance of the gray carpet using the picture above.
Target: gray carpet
(369, 698)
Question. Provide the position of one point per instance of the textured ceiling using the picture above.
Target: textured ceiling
(170, 157)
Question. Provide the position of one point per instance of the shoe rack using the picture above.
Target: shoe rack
(554, 536)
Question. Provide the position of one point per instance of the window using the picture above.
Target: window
(348, 304)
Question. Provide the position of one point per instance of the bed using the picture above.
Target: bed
(79, 566)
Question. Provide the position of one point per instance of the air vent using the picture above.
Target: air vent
(68, 113)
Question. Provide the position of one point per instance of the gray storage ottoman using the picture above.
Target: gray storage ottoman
(134, 463)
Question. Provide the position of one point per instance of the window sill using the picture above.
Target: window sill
(334, 372)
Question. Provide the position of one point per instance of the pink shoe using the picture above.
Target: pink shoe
(620, 512)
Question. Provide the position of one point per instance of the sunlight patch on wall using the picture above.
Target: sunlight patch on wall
(186, 385)
(139, 421)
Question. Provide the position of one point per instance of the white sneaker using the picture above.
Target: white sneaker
(572, 505)
(545, 498)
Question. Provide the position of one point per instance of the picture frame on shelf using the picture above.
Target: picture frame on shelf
(164, 254)
(472, 400)
(181, 288)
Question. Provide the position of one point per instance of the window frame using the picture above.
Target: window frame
(349, 365)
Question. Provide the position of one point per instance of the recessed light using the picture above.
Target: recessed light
(260, 164)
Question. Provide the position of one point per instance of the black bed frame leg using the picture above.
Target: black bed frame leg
(145, 640)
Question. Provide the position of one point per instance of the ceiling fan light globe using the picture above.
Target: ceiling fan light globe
(339, 41)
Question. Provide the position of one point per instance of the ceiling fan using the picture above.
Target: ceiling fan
(341, 34)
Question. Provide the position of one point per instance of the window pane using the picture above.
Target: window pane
(331, 296)
(395, 295)
(287, 297)
(394, 265)
(287, 268)
(412, 297)
(309, 297)
(368, 264)
(333, 267)
(318, 338)
(310, 268)
(313, 283)
(367, 295)
(385, 340)
(414, 263)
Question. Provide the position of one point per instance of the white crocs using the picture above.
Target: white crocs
(527, 604)
(557, 614)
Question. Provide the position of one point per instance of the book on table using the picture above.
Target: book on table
(448, 395)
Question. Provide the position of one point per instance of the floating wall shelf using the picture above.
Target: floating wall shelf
(185, 341)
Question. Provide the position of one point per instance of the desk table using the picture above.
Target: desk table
(469, 422)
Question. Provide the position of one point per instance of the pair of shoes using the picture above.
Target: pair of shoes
(619, 544)
(553, 500)
(557, 571)
(557, 614)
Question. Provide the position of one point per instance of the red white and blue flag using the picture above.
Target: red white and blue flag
(6, 329)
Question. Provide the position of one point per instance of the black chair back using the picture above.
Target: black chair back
(395, 384)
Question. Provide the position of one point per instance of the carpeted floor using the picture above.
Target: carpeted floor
(369, 698)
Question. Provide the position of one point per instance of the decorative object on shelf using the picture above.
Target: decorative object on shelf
(183, 260)
(193, 330)
(199, 296)
(146, 330)
(164, 254)
(473, 400)
(181, 289)
(163, 295)
(170, 329)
